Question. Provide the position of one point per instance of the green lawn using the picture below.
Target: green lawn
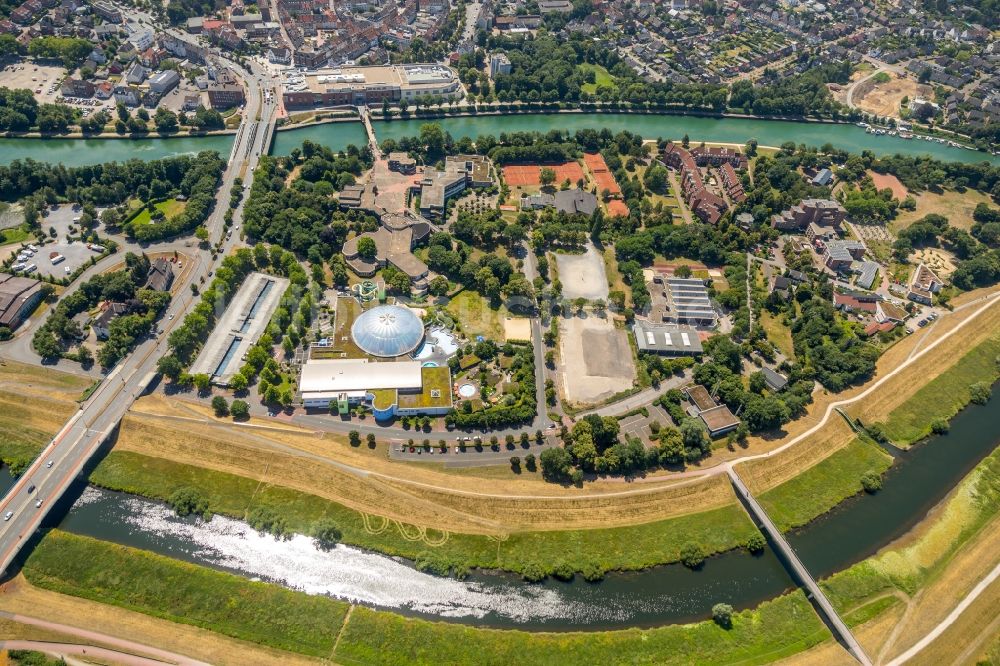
(14, 235)
(474, 314)
(602, 77)
(945, 395)
(170, 208)
(634, 547)
(289, 620)
(180, 592)
(824, 485)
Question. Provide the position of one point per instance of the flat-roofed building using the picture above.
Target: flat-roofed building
(716, 418)
(824, 212)
(18, 297)
(358, 86)
(394, 243)
(402, 162)
(460, 171)
(688, 303)
(245, 319)
(390, 388)
(666, 340)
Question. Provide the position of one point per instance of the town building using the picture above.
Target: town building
(102, 323)
(394, 242)
(687, 302)
(924, 283)
(402, 162)
(565, 201)
(499, 64)
(163, 82)
(666, 340)
(356, 86)
(460, 171)
(716, 418)
(774, 380)
(18, 298)
(392, 388)
(824, 212)
(731, 181)
(840, 254)
(161, 275)
(823, 178)
(77, 88)
(707, 205)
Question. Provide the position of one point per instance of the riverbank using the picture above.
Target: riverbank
(115, 135)
(143, 582)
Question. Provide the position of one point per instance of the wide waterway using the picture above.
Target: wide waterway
(856, 529)
(76, 152)
(80, 152)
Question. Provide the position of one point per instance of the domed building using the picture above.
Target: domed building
(387, 331)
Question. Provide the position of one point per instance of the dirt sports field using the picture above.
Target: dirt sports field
(884, 180)
(520, 175)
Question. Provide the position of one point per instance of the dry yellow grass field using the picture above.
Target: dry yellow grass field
(21, 597)
(956, 206)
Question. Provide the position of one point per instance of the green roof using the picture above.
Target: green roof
(435, 392)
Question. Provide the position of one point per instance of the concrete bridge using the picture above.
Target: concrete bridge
(799, 572)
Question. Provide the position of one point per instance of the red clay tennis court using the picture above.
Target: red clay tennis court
(605, 179)
(519, 175)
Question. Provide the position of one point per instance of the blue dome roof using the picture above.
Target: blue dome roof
(388, 330)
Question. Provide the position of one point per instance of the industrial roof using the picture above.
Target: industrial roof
(388, 330)
(666, 339)
(344, 375)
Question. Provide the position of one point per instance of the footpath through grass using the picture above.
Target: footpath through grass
(945, 395)
(294, 621)
(584, 551)
(824, 485)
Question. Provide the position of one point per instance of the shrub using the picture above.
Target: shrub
(756, 542)
(266, 519)
(979, 393)
(592, 572)
(533, 572)
(940, 426)
(326, 534)
(186, 501)
(871, 481)
(692, 555)
(432, 563)
(722, 614)
(563, 571)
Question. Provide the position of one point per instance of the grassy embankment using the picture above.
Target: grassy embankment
(945, 395)
(824, 485)
(974, 505)
(231, 605)
(627, 547)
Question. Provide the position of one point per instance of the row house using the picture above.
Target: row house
(731, 181)
(707, 205)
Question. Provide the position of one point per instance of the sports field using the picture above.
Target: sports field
(520, 175)
(605, 179)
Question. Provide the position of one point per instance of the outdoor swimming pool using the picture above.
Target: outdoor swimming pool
(438, 343)
(467, 390)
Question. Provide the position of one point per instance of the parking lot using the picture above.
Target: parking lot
(43, 80)
(76, 253)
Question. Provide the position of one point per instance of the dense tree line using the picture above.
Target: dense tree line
(198, 186)
(800, 95)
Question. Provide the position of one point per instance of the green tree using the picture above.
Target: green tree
(367, 248)
(240, 409)
(547, 176)
(871, 481)
(354, 437)
(220, 406)
(326, 534)
(722, 615)
(186, 501)
(692, 555)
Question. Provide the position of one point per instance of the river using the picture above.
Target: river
(859, 527)
(338, 135)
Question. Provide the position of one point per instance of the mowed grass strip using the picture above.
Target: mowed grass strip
(824, 485)
(619, 548)
(945, 395)
(776, 629)
(180, 592)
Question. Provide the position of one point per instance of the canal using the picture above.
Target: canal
(859, 527)
(339, 135)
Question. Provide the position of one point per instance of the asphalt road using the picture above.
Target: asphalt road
(26, 504)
